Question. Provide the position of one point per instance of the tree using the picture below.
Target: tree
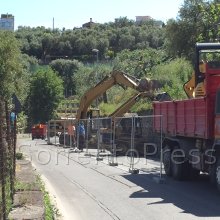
(66, 70)
(78, 43)
(198, 22)
(138, 62)
(10, 64)
(46, 91)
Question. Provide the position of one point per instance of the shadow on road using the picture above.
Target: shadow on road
(198, 198)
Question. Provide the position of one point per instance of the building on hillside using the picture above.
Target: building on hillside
(140, 19)
(88, 24)
(7, 22)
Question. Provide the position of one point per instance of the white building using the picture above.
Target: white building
(7, 22)
(140, 19)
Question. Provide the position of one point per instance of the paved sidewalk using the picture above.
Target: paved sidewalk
(28, 198)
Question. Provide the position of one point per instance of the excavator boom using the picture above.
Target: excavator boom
(129, 103)
(116, 77)
(119, 78)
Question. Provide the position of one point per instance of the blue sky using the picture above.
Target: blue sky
(72, 13)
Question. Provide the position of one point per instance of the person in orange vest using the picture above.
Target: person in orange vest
(72, 134)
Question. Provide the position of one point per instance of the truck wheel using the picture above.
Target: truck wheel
(212, 174)
(218, 173)
(193, 173)
(167, 160)
(178, 165)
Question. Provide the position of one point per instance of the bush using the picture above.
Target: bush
(19, 156)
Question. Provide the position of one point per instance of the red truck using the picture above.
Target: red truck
(39, 131)
(191, 127)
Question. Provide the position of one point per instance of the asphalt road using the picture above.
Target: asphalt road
(87, 189)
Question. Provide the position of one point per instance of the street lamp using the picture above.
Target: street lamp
(97, 60)
(97, 54)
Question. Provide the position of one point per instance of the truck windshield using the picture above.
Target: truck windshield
(212, 57)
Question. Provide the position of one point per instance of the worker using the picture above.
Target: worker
(72, 134)
(82, 133)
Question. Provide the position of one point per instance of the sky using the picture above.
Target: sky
(72, 13)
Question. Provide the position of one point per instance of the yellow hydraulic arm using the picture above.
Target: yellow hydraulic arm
(129, 103)
(116, 77)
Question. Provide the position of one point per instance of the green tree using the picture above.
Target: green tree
(10, 65)
(78, 43)
(88, 76)
(138, 62)
(66, 70)
(46, 92)
(198, 21)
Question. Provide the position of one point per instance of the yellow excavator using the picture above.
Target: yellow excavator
(115, 77)
(144, 87)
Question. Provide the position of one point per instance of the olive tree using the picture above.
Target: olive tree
(46, 92)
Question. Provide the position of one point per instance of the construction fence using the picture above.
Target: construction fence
(7, 158)
(111, 138)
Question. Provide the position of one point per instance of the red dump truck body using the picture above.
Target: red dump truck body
(191, 117)
(39, 131)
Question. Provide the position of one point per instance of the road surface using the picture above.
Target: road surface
(87, 189)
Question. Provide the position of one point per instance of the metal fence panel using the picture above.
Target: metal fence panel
(123, 130)
(131, 141)
(62, 132)
(98, 136)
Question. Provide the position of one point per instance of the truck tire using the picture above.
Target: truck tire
(167, 160)
(179, 165)
(212, 174)
(193, 173)
(218, 173)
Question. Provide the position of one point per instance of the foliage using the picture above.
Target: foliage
(10, 65)
(141, 105)
(48, 44)
(88, 76)
(173, 75)
(138, 62)
(19, 156)
(46, 91)
(198, 22)
(51, 212)
(66, 70)
(107, 109)
(21, 122)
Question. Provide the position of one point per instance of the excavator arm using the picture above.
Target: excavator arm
(116, 77)
(119, 78)
(135, 98)
(129, 103)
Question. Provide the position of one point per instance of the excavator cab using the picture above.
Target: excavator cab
(207, 57)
